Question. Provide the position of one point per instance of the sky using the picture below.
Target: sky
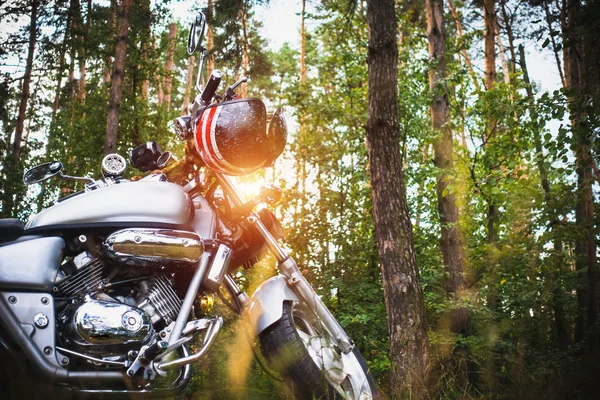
(280, 18)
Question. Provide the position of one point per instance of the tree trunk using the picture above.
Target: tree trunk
(145, 46)
(61, 66)
(245, 51)
(82, 33)
(585, 246)
(505, 69)
(189, 84)
(112, 125)
(510, 34)
(489, 17)
(403, 296)
(303, 43)
(112, 25)
(451, 240)
(555, 49)
(16, 151)
(463, 51)
(169, 63)
(210, 39)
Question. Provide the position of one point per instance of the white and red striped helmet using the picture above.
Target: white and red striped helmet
(231, 136)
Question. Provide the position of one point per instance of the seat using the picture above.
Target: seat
(10, 229)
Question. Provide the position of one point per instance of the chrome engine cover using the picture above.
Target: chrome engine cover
(98, 324)
(147, 247)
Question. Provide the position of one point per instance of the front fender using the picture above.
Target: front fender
(266, 304)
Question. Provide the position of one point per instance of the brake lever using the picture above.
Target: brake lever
(230, 92)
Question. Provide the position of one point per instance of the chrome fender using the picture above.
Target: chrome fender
(266, 304)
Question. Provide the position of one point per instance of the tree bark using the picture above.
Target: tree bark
(112, 25)
(451, 240)
(505, 68)
(112, 125)
(403, 296)
(463, 51)
(554, 46)
(210, 39)
(585, 246)
(189, 84)
(16, 150)
(245, 51)
(82, 33)
(510, 34)
(303, 44)
(169, 63)
(489, 19)
(61, 66)
(145, 49)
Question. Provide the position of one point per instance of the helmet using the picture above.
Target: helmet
(231, 137)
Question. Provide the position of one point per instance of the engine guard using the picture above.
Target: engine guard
(266, 304)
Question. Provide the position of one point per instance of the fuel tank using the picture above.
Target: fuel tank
(143, 202)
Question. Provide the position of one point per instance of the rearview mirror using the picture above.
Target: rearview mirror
(196, 33)
(42, 172)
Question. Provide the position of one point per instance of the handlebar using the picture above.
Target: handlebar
(211, 87)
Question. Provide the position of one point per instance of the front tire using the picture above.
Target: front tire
(299, 348)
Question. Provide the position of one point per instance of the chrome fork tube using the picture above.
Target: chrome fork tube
(190, 296)
(288, 268)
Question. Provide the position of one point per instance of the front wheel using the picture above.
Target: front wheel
(301, 350)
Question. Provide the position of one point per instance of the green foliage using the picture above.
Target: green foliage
(506, 143)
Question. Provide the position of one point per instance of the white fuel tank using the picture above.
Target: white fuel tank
(143, 202)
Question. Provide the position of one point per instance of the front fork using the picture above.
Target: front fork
(288, 268)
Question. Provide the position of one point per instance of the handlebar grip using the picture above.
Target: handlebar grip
(211, 87)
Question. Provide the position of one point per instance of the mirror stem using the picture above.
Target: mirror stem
(75, 178)
(198, 84)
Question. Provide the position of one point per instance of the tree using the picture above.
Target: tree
(165, 94)
(489, 19)
(112, 126)
(403, 296)
(576, 79)
(16, 151)
(451, 240)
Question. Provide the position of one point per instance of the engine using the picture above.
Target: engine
(104, 318)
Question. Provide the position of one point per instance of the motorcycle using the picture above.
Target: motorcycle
(104, 292)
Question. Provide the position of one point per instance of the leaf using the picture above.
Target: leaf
(546, 43)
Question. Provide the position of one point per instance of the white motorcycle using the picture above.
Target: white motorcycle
(102, 292)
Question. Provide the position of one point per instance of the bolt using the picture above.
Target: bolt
(137, 239)
(64, 361)
(48, 350)
(163, 334)
(45, 300)
(41, 320)
(82, 239)
(12, 299)
(130, 372)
